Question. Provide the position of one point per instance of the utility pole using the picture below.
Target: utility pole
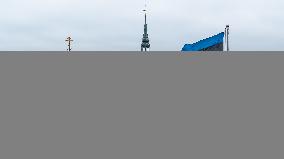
(69, 40)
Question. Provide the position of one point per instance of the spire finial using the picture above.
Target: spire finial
(145, 11)
(145, 7)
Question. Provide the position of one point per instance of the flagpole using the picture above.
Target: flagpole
(227, 37)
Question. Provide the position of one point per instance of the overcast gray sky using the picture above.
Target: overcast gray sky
(117, 25)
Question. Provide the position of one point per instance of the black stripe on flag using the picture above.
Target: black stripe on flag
(217, 47)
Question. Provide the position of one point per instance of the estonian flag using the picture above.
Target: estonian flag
(214, 43)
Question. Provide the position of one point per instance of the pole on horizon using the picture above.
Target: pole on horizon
(227, 37)
(69, 40)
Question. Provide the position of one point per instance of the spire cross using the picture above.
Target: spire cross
(69, 40)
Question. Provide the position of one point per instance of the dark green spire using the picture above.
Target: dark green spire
(145, 40)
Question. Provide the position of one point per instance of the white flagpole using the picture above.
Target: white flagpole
(227, 37)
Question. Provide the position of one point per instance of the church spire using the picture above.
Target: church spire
(145, 40)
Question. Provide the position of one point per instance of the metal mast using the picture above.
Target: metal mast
(145, 40)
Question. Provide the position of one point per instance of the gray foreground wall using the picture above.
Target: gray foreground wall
(136, 106)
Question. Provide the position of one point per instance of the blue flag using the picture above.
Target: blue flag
(214, 43)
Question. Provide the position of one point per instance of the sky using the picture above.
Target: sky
(117, 25)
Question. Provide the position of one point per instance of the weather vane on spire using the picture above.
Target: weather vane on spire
(145, 40)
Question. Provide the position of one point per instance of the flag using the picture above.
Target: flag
(214, 43)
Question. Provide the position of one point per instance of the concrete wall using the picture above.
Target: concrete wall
(141, 106)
